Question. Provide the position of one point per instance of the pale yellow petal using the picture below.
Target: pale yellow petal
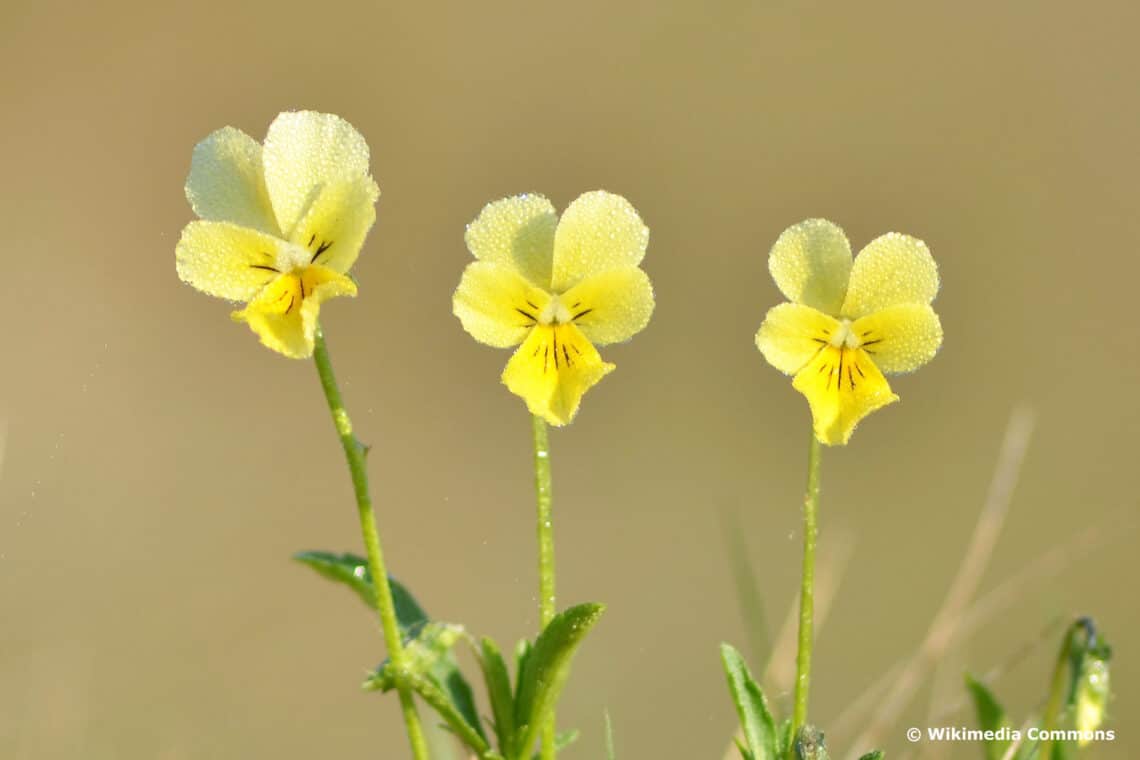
(612, 306)
(227, 184)
(284, 314)
(599, 231)
(225, 260)
(842, 387)
(516, 231)
(336, 224)
(893, 269)
(900, 338)
(496, 304)
(810, 263)
(792, 335)
(552, 369)
(305, 150)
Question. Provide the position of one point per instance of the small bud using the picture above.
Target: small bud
(1091, 696)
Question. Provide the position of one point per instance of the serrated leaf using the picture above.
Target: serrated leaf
(546, 667)
(991, 717)
(498, 682)
(352, 571)
(875, 754)
(751, 706)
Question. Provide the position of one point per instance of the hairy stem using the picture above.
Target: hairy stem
(545, 553)
(354, 453)
(807, 590)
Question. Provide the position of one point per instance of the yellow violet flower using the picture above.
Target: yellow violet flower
(555, 288)
(280, 223)
(849, 321)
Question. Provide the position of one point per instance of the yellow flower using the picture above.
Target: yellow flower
(849, 322)
(281, 224)
(557, 287)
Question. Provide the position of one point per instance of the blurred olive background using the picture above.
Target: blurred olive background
(159, 467)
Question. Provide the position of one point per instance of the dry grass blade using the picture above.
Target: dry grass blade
(946, 620)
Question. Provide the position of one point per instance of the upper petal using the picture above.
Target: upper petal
(337, 222)
(893, 269)
(597, 232)
(900, 338)
(304, 150)
(612, 306)
(793, 334)
(842, 386)
(226, 260)
(811, 262)
(227, 184)
(496, 304)
(516, 231)
(552, 370)
(284, 315)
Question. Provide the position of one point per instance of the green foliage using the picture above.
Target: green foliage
(1077, 698)
(353, 572)
(498, 682)
(543, 672)
(991, 717)
(760, 737)
(875, 754)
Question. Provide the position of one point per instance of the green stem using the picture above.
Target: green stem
(354, 452)
(807, 591)
(1057, 685)
(545, 553)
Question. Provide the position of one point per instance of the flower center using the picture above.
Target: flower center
(844, 336)
(293, 258)
(555, 313)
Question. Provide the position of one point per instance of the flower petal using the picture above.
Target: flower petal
(900, 338)
(792, 335)
(303, 150)
(599, 231)
(516, 231)
(893, 269)
(336, 224)
(810, 263)
(227, 184)
(842, 387)
(552, 369)
(611, 307)
(496, 304)
(225, 260)
(284, 314)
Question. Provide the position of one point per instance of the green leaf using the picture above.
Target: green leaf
(498, 682)
(544, 670)
(991, 717)
(522, 655)
(561, 742)
(875, 754)
(352, 571)
(751, 707)
(784, 738)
